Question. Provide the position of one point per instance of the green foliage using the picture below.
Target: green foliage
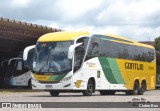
(157, 43)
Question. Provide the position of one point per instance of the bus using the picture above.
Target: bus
(18, 74)
(79, 62)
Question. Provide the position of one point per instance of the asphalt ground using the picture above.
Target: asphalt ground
(27, 95)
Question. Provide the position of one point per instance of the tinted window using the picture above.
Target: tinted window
(94, 48)
(100, 47)
(19, 68)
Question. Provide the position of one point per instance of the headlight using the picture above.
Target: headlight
(66, 79)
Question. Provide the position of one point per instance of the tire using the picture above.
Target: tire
(135, 89)
(29, 84)
(143, 88)
(54, 93)
(90, 88)
(107, 92)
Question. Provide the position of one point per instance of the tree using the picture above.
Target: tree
(157, 43)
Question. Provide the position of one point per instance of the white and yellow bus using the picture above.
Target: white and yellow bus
(77, 61)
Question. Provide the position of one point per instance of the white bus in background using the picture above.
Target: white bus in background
(18, 73)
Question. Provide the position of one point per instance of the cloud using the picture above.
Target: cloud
(75, 9)
(132, 13)
(135, 19)
(20, 3)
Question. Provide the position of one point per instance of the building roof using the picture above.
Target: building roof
(16, 35)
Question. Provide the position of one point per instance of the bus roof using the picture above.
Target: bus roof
(120, 37)
(61, 36)
(131, 41)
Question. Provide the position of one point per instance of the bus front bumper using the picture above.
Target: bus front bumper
(51, 86)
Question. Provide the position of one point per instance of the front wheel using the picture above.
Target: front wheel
(54, 93)
(90, 89)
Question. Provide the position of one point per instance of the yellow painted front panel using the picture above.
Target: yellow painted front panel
(41, 77)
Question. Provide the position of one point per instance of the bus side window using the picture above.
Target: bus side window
(19, 66)
(94, 49)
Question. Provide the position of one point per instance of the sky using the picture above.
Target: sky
(134, 19)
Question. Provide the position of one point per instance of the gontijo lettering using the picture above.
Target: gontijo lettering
(133, 66)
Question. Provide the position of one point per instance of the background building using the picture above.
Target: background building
(14, 37)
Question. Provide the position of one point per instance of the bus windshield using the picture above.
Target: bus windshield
(52, 57)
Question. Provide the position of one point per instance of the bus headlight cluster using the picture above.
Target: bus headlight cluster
(66, 79)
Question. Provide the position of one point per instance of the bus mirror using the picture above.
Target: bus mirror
(26, 50)
(71, 50)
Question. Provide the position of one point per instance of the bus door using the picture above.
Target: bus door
(19, 74)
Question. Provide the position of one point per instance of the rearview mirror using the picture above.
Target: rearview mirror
(26, 50)
(71, 50)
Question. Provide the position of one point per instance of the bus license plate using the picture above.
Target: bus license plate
(48, 86)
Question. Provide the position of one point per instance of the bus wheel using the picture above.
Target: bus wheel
(135, 89)
(29, 84)
(103, 92)
(143, 88)
(90, 88)
(54, 93)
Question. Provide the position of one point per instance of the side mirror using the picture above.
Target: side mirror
(71, 50)
(26, 50)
